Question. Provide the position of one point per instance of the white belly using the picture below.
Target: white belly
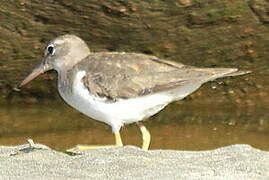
(116, 113)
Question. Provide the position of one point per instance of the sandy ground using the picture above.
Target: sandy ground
(40, 162)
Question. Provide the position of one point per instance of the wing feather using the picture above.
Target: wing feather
(129, 75)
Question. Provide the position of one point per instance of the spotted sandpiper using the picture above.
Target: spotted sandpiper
(119, 88)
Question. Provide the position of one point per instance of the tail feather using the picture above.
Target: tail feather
(236, 73)
(222, 72)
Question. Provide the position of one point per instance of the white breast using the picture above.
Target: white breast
(116, 113)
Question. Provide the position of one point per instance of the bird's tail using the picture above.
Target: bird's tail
(236, 73)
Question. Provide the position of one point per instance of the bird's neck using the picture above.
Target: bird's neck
(68, 63)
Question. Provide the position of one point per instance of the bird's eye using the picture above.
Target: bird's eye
(50, 49)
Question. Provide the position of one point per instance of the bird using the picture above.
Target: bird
(119, 88)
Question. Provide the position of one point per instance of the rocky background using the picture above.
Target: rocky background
(207, 33)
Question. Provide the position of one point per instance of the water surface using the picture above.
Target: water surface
(178, 126)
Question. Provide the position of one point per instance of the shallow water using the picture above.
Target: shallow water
(178, 126)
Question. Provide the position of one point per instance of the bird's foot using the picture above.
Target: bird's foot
(80, 148)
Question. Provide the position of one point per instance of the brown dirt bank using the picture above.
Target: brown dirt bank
(207, 33)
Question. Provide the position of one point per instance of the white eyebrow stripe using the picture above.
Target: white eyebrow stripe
(58, 41)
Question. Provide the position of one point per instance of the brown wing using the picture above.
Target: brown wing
(120, 86)
(128, 75)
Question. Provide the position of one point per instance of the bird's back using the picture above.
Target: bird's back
(130, 75)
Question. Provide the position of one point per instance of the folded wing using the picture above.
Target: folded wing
(128, 75)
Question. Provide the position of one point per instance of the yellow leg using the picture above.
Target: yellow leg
(91, 147)
(118, 139)
(145, 136)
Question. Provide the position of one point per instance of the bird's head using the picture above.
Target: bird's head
(60, 54)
